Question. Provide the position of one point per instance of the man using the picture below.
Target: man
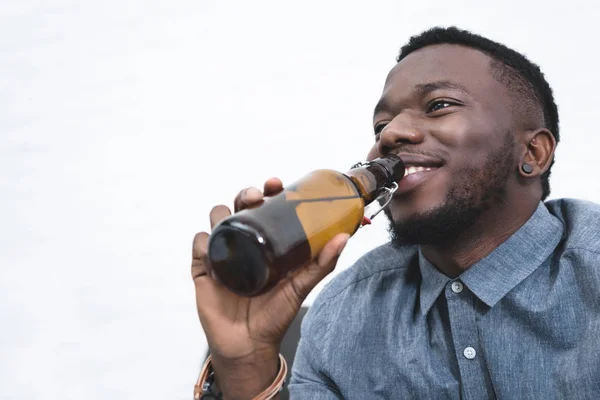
(484, 290)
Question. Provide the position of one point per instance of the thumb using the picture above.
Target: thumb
(307, 278)
(331, 252)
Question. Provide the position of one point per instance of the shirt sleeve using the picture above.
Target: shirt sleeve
(309, 381)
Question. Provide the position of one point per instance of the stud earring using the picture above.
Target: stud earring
(527, 168)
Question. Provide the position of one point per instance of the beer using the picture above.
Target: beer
(253, 249)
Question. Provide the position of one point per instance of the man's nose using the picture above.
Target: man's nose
(401, 131)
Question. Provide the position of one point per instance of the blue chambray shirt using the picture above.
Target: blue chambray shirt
(522, 323)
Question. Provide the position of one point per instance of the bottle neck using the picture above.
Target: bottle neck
(369, 180)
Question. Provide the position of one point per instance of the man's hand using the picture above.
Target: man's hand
(244, 334)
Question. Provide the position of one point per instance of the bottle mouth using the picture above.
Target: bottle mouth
(393, 166)
(237, 256)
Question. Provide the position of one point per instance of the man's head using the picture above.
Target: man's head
(470, 112)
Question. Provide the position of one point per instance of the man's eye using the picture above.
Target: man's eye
(438, 105)
(379, 127)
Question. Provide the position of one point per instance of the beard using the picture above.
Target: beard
(475, 192)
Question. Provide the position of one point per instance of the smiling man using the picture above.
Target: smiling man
(484, 290)
(468, 123)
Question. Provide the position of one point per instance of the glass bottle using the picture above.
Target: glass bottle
(250, 251)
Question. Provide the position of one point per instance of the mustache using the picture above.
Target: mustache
(419, 152)
(439, 155)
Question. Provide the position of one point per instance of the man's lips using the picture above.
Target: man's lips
(414, 179)
(418, 160)
(419, 168)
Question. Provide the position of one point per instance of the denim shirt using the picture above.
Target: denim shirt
(522, 323)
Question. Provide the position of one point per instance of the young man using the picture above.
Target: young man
(484, 290)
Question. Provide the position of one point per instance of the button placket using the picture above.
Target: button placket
(463, 323)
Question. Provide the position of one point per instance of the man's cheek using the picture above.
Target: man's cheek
(457, 132)
(373, 153)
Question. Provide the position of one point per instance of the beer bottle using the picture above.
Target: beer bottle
(253, 249)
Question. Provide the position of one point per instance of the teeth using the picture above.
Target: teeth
(413, 169)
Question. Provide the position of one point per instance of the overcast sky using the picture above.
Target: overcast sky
(123, 122)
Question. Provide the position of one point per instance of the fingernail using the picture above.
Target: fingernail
(251, 194)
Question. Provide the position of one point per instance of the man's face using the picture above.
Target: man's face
(446, 116)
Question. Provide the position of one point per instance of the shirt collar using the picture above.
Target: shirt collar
(432, 283)
(492, 277)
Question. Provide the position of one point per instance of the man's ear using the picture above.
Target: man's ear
(539, 145)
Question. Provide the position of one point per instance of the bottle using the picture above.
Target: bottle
(250, 251)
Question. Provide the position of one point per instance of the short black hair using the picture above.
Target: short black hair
(511, 68)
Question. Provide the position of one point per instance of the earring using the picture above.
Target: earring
(527, 168)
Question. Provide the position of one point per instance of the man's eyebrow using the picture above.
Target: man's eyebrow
(381, 106)
(423, 89)
(420, 90)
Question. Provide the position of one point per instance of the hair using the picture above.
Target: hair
(523, 78)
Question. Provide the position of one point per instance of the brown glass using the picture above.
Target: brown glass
(253, 249)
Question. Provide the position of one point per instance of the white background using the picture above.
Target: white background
(123, 122)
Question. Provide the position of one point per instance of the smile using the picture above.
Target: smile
(414, 176)
(413, 169)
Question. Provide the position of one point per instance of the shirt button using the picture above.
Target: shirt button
(456, 287)
(469, 353)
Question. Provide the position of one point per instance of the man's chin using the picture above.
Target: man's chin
(435, 227)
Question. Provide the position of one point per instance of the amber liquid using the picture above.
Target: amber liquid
(294, 226)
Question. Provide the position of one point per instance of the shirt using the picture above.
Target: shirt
(521, 323)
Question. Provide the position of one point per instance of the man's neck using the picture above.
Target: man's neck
(491, 230)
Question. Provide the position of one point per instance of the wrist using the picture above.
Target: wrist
(246, 377)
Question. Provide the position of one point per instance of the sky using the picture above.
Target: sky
(124, 122)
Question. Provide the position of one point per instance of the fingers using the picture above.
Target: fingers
(217, 214)
(210, 294)
(252, 197)
(307, 278)
(273, 187)
(331, 252)
(246, 198)
(199, 251)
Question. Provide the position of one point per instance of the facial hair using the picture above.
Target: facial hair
(473, 193)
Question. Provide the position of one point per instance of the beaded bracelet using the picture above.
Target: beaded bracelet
(203, 388)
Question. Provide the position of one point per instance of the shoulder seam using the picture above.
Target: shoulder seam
(362, 279)
(327, 300)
